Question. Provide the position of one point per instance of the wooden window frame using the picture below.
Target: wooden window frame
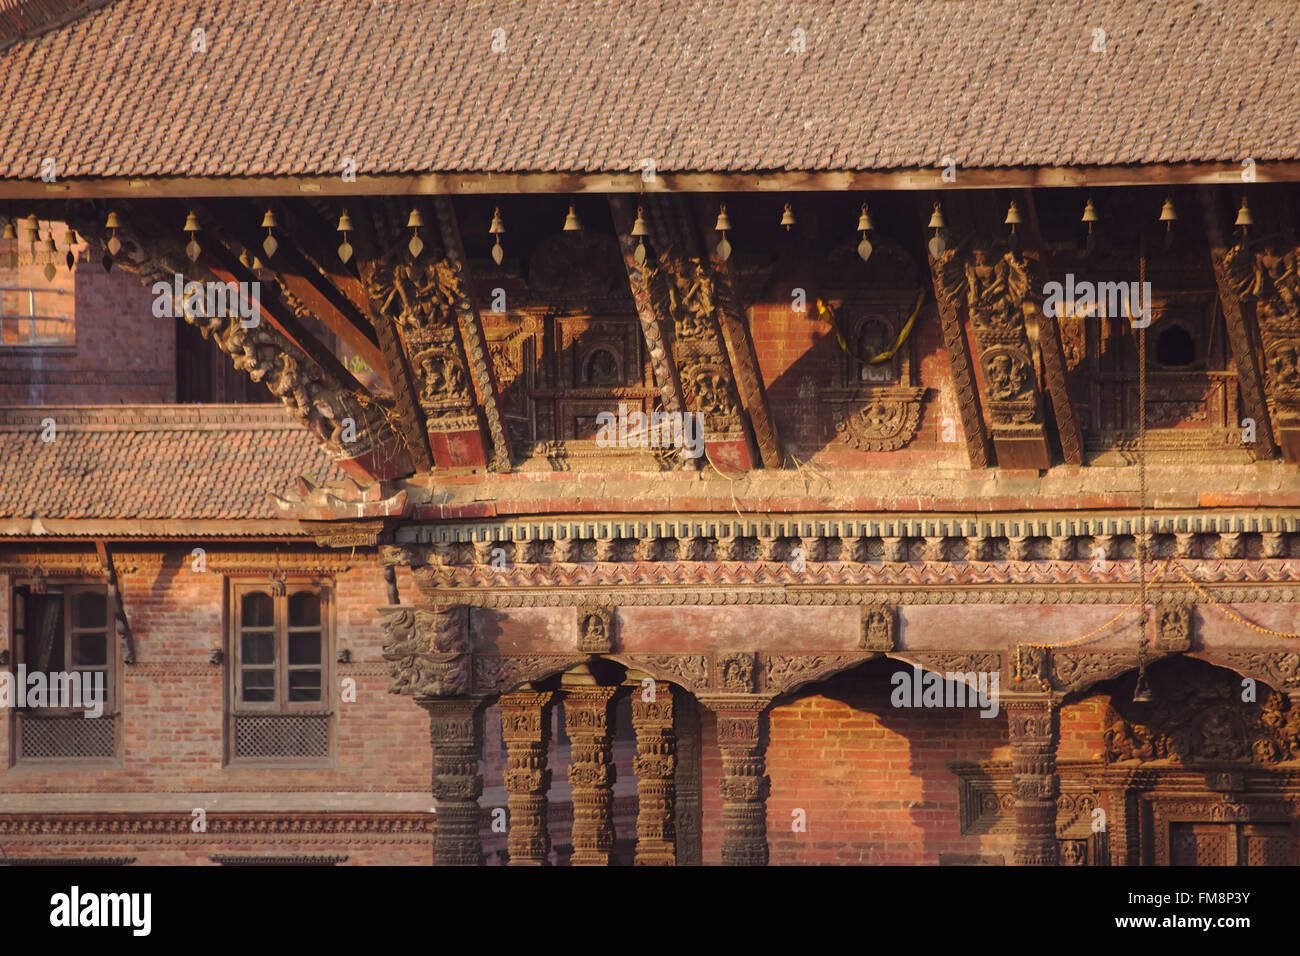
(236, 706)
(112, 669)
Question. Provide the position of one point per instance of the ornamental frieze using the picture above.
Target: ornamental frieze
(1197, 715)
(493, 675)
(783, 673)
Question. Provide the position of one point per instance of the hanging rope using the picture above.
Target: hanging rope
(1142, 465)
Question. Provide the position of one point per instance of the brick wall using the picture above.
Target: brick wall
(800, 357)
(122, 352)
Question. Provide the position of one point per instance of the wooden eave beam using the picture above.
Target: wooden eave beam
(301, 277)
(630, 181)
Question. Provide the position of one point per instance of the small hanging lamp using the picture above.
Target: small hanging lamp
(113, 225)
(192, 227)
(723, 225)
(38, 585)
(1244, 219)
(787, 217)
(414, 222)
(344, 227)
(640, 231)
(496, 230)
(571, 222)
(864, 227)
(936, 244)
(1168, 216)
(269, 244)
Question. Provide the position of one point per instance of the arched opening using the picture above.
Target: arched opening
(1175, 348)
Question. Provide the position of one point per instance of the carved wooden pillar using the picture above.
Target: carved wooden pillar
(588, 719)
(686, 782)
(526, 726)
(656, 762)
(456, 735)
(1033, 722)
(742, 740)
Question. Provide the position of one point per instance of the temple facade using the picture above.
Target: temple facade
(533, 492)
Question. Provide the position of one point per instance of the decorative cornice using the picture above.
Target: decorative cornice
(218, 824)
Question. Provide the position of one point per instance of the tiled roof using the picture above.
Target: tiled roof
(295, 87)
(174, 463)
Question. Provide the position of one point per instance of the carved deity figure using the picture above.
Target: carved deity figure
(995, 290)
(1008, 377)
(690, 297)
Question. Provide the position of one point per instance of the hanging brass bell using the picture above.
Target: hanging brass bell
(48, 243)
(864, 220)
(571, 222)
(1167, 213)
(936, 218)
(192, 223)
(1142, 692)
(414, 220)
(1089, 212)
(787, 217)
(345, 222)
(268, 221)
(112, 222)
(9, 232)
(1244, 218)
(1013, 215)
(724, 222)
(639, 227)
(498, 227)
(32, 228)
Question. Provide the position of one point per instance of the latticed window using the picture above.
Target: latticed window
(67, 663)
(280, 674)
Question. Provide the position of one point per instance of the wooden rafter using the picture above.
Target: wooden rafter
(1240, 336)
(240, 221)
(472, 337)
(1052, 350)
(963, 373)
